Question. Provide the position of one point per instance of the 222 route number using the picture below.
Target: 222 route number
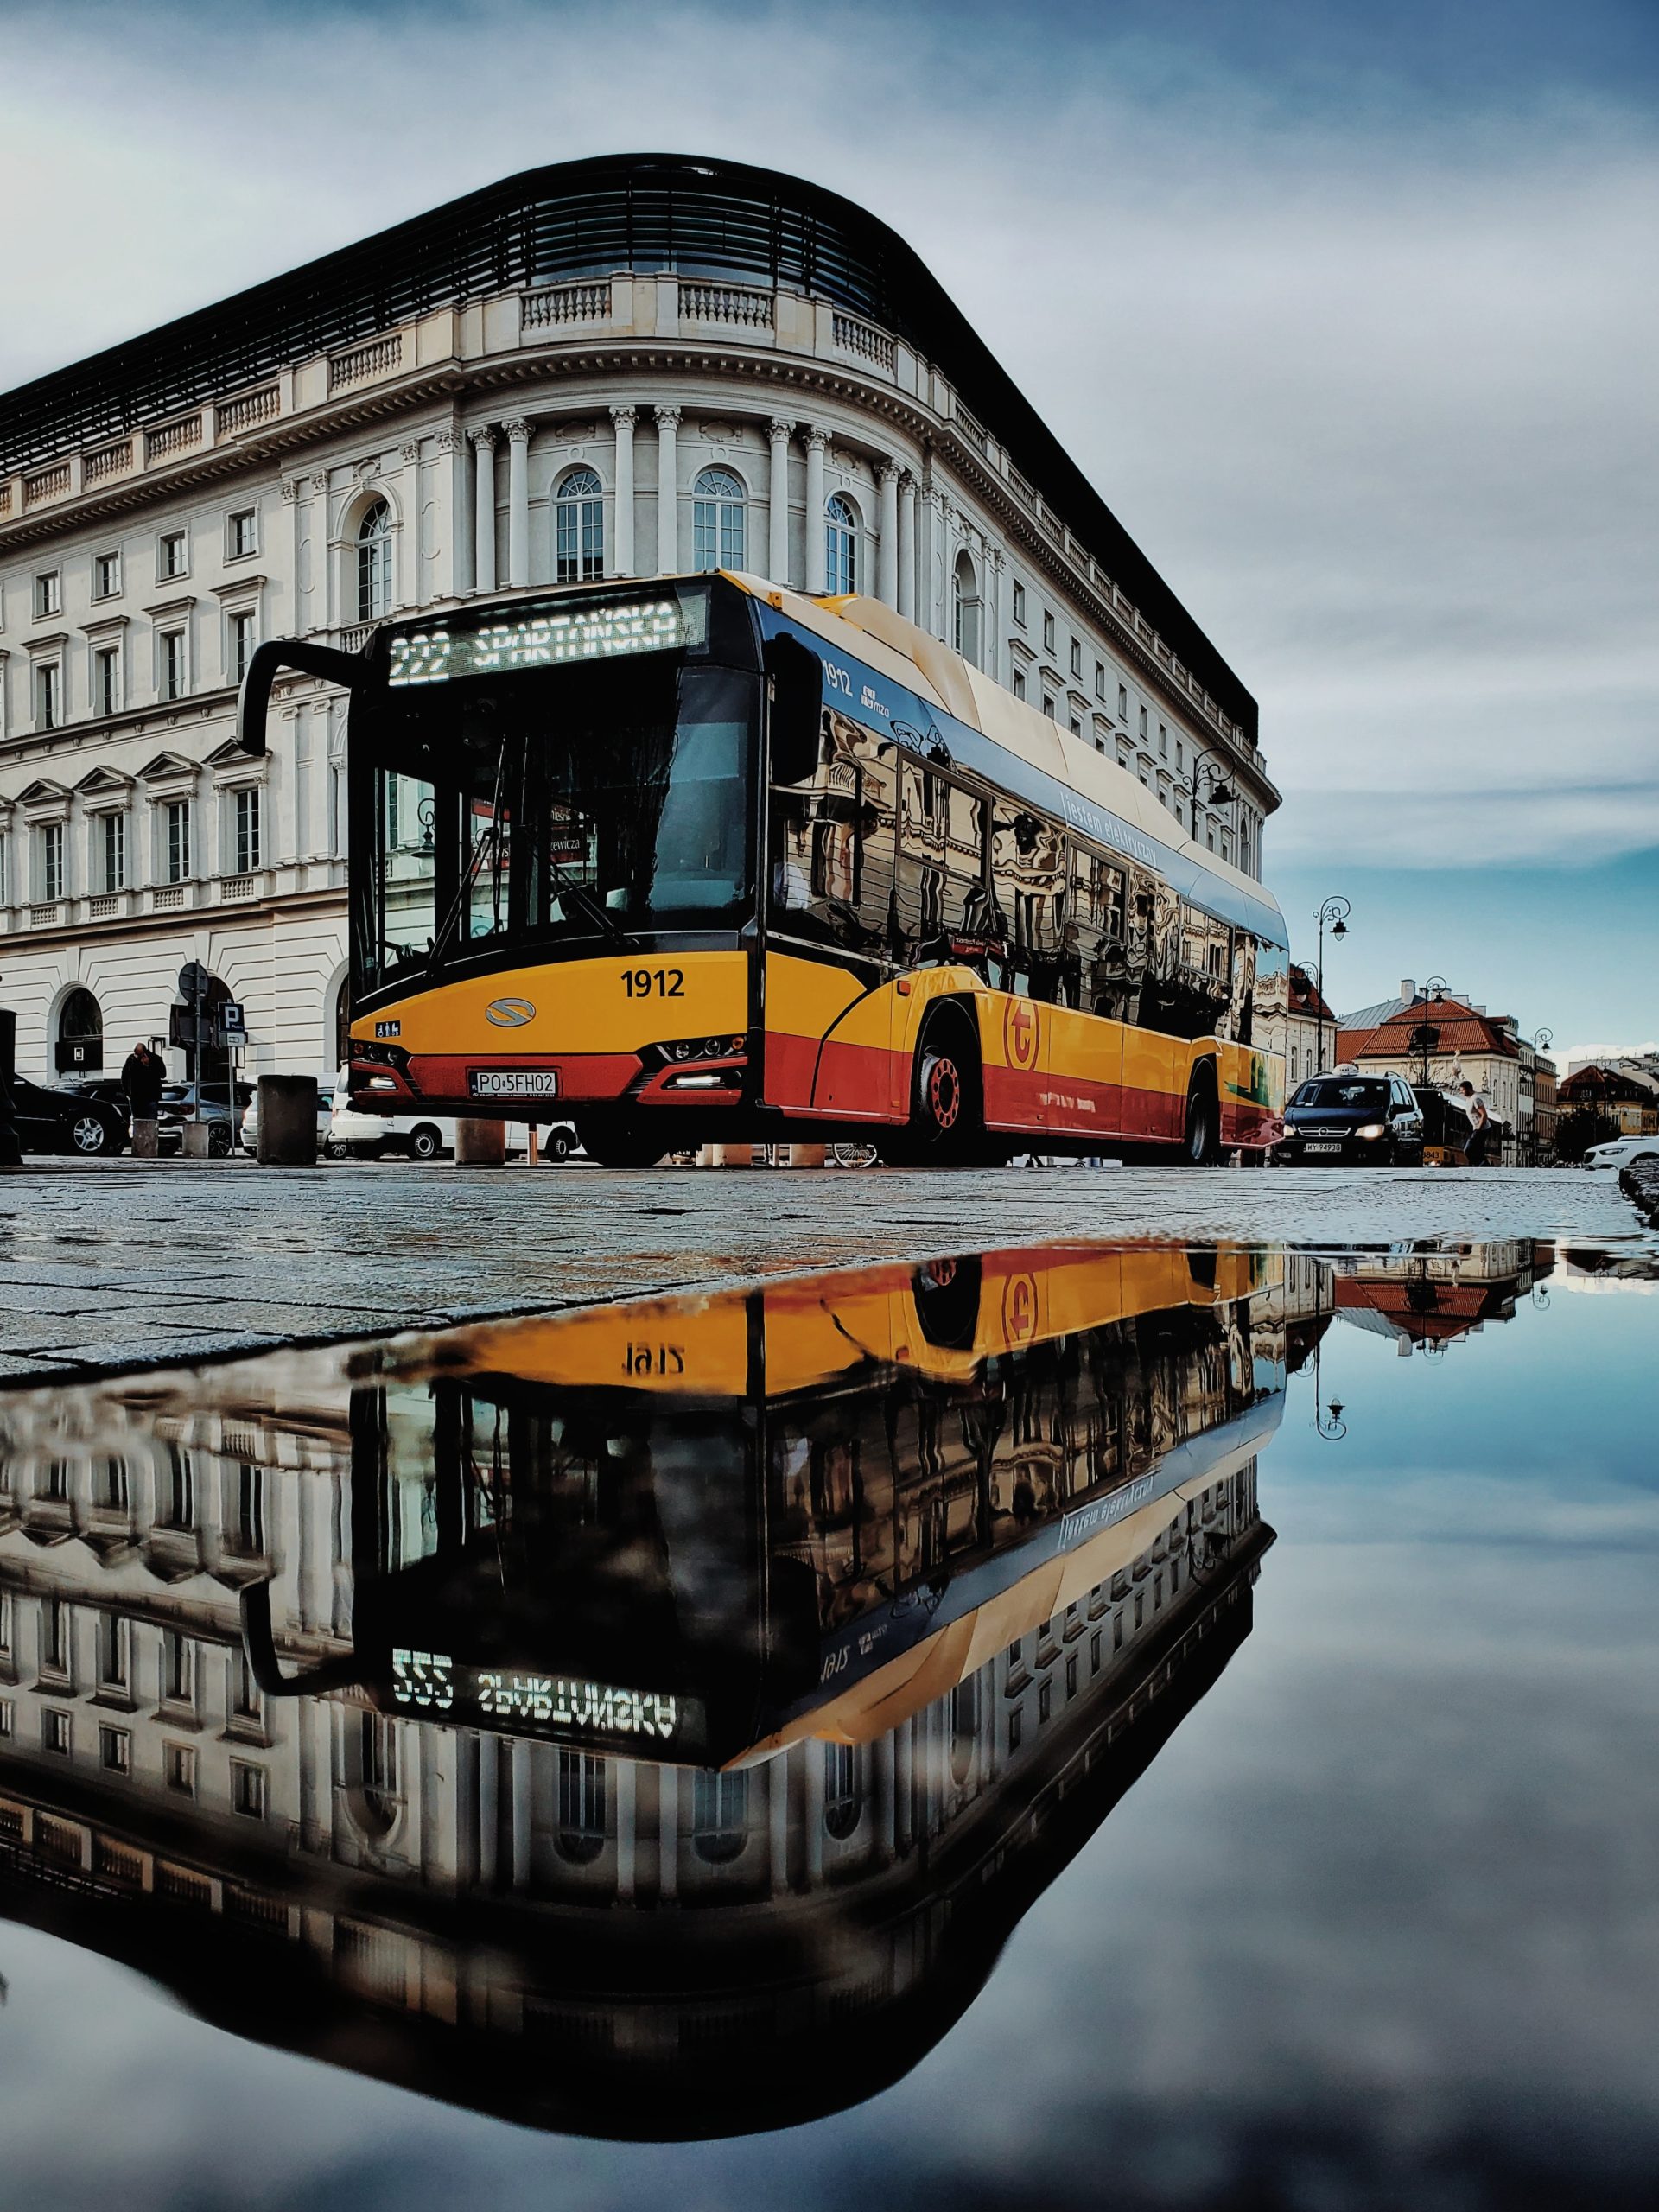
(654, 982)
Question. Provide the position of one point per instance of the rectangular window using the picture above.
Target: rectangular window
(241, 643)
(1019, 604)
(178, 1668)
(1075, 725)
(174, 554)
(181, 1490)
(247, 1702)
(5, 1716)
(1094, 1653)
(113, 851)
(51, 857)
(244, 533)
(1163, 739)
(1100, 679)
(106, 680)
(114, 1651)
(1048, 704)
(172, 650)
(1014, 1719)
(247, 830)
(107, 576)
(56, 1735)
(248, 1790)
(1123, 703)
(178, 841)
(48, 695)
(115, 1750)
(1019, 683)
(1048, 633)
(48, 592)
(1077, 658)
(179, 1766)
(55, 1636)
(251, 1511)
(1044, 1702)
(1143, 721)
(5, 1627)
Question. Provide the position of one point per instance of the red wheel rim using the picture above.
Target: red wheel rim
(943, 1093)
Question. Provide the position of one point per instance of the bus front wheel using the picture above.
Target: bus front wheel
(946, 1128)
(621, 1147)
(1202, 1140)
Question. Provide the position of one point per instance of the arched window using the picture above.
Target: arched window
(719, 520)
(374, 564)
(581, 1807)
(579, 528)
(843, 1790)
(372, 1792)
(840, 546)
(964, 609)
(720, 1815)
(80, 1034)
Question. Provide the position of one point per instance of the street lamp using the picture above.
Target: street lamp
(1335, 911)
(1435, 988)
(1221, 793)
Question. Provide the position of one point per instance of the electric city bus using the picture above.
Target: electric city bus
(700, 859)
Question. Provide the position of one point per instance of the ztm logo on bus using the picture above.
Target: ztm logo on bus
(1018, 1309)
(1020, 1034)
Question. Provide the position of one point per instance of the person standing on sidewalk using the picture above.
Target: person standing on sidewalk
(141, 1079)
(1480, 1118)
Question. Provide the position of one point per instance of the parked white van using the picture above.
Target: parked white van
(353, 1133)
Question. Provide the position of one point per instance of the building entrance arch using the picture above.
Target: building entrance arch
(79, 1049)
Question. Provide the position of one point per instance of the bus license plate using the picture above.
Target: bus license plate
(1321, 1148)
(513, 1083)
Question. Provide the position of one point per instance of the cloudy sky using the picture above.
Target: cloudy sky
(1351, 314)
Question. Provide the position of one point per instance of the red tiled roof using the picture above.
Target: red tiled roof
(1461, 1030)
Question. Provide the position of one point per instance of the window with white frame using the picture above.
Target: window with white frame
(115, 1750)
(1048, 633)
(1143, 721)
(111, 840)
(839, 545)
(1019, 683)
(965, 609)
(1020, 603)
(107, 576)
(48, 592)
(242, 533)
(48, 862)
(374, 564)
(1100, 679)
(170, 654)
(1077, 659)
(106, 680)
(1048, 704)
(56, 1732)
(579, 528)
(173, 555)
(244, 828)
(48, 695)
(248, 1790)
(1124, 703)
(719, 521)
(175, 827)
(241, 638)
(1163, 739)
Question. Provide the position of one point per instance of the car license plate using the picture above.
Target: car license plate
(513, 1083)
(1321, 1148)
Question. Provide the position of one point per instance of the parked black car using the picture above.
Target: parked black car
(1369, 1118)
(67, 1121)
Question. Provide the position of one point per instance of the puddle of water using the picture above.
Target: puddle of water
(1171, 1725)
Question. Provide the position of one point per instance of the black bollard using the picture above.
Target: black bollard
(288, 1121)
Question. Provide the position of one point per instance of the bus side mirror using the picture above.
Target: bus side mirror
(253, 700)
(795, 678)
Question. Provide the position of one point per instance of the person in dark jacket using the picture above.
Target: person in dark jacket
(141, 1079)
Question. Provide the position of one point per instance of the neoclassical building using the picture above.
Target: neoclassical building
(619, 367)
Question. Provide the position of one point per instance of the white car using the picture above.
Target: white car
(1621, 1152)
(421, 1136)
(248, 1135)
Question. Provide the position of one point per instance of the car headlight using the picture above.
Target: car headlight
(1371, 1132)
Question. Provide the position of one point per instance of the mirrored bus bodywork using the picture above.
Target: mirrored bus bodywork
(707, 859)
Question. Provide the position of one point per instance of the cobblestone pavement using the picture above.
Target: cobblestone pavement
(114, 1265)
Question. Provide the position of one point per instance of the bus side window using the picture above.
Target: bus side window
(831, 842)
(941, 889)
(1097, 963)
(1028, 896)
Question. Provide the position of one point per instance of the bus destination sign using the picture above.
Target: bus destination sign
(434, 1682)
(437, 652)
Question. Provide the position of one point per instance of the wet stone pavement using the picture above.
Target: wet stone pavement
(109, 1267)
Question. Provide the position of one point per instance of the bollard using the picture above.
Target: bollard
(195, 1140)
(733, 1155)
(480, 1144)
(808, 1155)
(143, 1140)
(288, 1121)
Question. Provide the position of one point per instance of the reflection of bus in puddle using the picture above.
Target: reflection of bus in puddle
(668, 1711)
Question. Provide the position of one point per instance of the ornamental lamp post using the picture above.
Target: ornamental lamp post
(1221, 792)
(1334, 911)
(1433, 988)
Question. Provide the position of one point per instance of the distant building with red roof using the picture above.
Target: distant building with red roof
(1446, 1041)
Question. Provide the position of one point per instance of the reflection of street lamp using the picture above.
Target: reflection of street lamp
(1329, 1421)
(1334, 911)
(1327, 1418)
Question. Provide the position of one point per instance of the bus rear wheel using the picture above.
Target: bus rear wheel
(620, 1146)
(1202, 1144)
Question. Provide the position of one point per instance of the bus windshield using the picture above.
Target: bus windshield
(586, 802)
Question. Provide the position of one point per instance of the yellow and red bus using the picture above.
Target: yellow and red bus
(701, 859)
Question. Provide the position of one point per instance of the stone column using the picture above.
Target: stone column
(483, 510)
(816, 442)
(907, 546)
(455, 554)
(517, 501)
(887, 557)
(996, 664)
(624, 419)
(409, 592)
(668, 491)
(780, 432)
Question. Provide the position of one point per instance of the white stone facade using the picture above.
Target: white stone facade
(628, 425)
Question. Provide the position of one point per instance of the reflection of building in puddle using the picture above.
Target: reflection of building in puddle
(1427, 1295)
(651, 1721)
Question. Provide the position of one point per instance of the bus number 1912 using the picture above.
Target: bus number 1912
(658, 982)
